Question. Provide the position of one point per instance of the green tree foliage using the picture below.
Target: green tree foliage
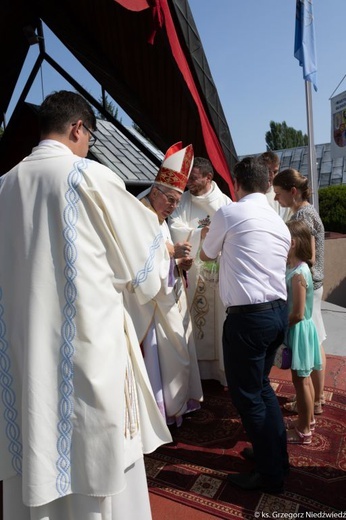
(110, 107)
(332, 206)
(280, 136)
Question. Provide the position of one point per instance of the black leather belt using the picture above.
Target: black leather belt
(254, 307)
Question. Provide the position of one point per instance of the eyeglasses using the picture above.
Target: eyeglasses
(92, 136)
(171, 200)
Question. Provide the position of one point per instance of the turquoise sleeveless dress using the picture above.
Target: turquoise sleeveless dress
(302, 338)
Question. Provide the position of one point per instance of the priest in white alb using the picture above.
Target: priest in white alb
(190, 221)
(77, 411)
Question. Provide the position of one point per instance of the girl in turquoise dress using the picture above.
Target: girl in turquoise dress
(302, 335)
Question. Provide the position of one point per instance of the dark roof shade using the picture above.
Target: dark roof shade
(166, 87)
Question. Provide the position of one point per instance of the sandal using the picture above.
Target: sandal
(291, 406)
(290, 424)
(318, 408)
(293, 398)
(294, 436)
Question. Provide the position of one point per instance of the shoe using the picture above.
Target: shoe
(294, 436)
(322, 400)
(248, 453)
(253, 481)
(294, 398)
(318, 408)
(291, 398)
(291, 406)
(290, 424)
(286, 470)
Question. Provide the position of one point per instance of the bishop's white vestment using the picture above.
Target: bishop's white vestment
(164, 329)
(206, 308)
(76, 410)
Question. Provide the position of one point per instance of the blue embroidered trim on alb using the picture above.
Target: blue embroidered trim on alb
(68, 331)
(8, 397)
(142, 274)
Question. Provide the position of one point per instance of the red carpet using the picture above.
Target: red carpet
(187, 479)
(193, 470)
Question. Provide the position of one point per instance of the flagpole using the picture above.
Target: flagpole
(312, 167)
(305, 52)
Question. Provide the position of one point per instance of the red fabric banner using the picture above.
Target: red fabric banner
(212, 143)
(134, 5)
(161, 15)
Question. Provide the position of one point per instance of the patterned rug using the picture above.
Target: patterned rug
(193, 469)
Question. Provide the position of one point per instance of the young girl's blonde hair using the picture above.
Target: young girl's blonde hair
(301, 233)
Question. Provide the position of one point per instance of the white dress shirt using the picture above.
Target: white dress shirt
(254, 242)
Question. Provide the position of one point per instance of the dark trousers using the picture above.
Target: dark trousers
(249, 344)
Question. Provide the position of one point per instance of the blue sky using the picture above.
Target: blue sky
(249, 48)
(249, 45)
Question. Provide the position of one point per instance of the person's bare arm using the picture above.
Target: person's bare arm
(298, 298)
(204, 257)
(313, 248)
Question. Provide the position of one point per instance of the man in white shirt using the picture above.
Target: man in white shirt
(190, 221)
(254, 243)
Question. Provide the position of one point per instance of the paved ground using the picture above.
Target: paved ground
(334, 318)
